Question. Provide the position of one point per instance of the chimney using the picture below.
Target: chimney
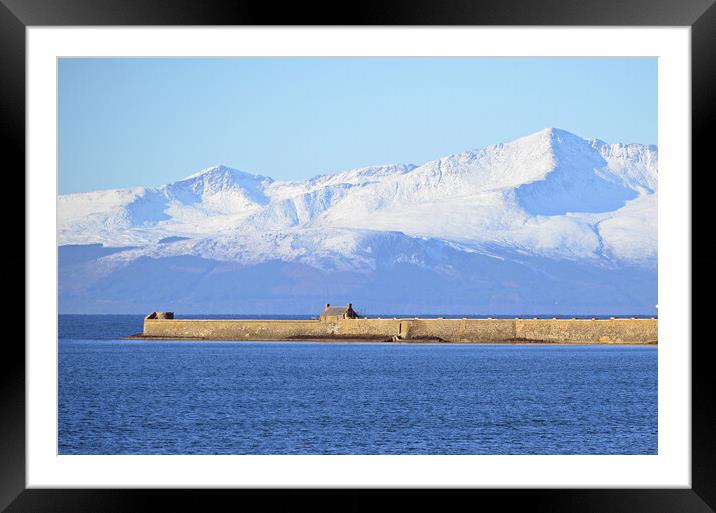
(350, 306)
(328, 305)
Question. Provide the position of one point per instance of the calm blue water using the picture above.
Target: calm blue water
(137, 397)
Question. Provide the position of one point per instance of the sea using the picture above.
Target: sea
(179, 397)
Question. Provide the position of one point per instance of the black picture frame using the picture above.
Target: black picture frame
(16, 15)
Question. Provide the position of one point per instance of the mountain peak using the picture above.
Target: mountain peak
(245, 188)
(558, 135)
(225, 171)
(547, 139)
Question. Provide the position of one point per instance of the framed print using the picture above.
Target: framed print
(477, 188)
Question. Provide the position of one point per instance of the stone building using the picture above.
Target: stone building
(334, 313)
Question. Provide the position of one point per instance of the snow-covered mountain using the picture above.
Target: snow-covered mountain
(549, 223)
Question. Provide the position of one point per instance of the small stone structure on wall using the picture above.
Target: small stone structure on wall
(160, 315)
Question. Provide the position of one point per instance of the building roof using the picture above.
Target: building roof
(335, 310)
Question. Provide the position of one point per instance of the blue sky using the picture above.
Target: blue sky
(134, 122)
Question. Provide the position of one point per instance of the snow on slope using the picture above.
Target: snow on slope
(549, 194)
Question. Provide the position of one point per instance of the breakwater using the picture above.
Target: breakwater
(562, 331)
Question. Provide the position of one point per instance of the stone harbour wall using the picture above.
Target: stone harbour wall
(564, 331)
(209, 329)
(605, 331)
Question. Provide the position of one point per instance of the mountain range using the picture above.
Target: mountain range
(550, 223)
